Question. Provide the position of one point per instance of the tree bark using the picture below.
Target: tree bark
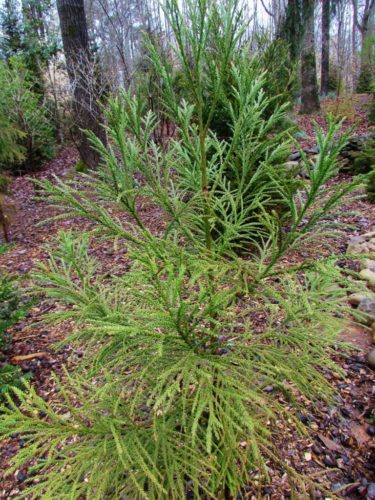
(366, 29)
(291, 27)
(309, 92)
(82, 76)
(324, 81)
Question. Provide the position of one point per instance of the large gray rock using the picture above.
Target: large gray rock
(356, 298)
(357, 245)
(296, 155)
(368, 276)
(371, 359)
(367, 306)
(368, 264)
(292, 165)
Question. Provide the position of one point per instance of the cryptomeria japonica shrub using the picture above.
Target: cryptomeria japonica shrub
(170, 398)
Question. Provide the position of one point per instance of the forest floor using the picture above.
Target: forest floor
(341, 452)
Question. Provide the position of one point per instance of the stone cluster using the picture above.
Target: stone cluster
(365, 302)
(294, 161)
(348, 158)
(356, 145)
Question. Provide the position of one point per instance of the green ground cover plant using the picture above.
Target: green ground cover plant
(11, 311)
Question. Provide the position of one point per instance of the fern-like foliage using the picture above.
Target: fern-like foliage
(11, 311)
(171, 397)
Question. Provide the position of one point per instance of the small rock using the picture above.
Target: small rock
(292, 165)
(371, 359)
(268, 388)
(356, 298)
(296, 155)
(357, 367)
(371, 430)
(368, 276)
(368, 264)
(329, 461)
(357, 245)
(367, 306)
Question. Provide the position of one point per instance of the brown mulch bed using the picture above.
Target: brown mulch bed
(342, 449)
(354, 108)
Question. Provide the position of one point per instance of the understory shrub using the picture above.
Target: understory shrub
(370, 186)
(364, 160)
(172, 396)
(10, 135)
(26, 136)
(4, 185)
(367, 73)
(335, 80)
(10, 312)
(343, 107)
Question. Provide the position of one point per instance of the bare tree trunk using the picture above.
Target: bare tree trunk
(366, 28)
(309, 92)
(324, 81)
(81, 71)
(354, 50)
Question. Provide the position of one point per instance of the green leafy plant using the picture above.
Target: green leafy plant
(4, 184)
(172, 396)
(4, 247)
(10, 312)
(366, 76)
(26, 138)
(10, 135)
(180, 405)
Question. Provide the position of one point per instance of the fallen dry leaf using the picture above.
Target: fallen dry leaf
(359, 432)
(329, 443)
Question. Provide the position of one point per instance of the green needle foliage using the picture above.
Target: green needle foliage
(26, 135)
(11, 311)
(172, 396)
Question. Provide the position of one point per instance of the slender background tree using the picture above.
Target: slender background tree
(83, 71)
(324, 79)
(309, 84)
